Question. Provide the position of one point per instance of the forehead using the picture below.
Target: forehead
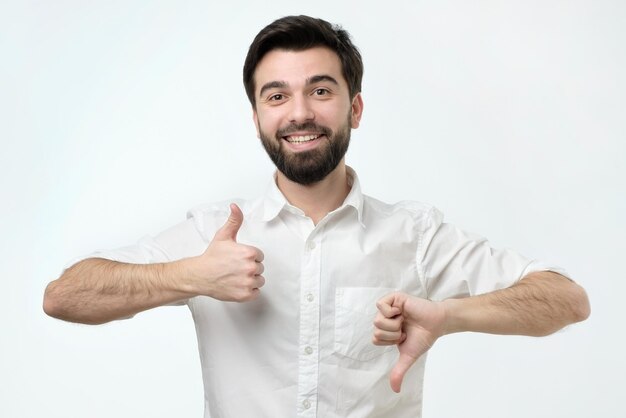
(295, 67)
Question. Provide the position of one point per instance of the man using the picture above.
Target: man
(336, 261)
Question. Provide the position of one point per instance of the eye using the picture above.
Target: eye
(320, 92)
(276, 97)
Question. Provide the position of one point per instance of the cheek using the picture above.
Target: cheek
(337, 118)
(267, 122)
(331, 117)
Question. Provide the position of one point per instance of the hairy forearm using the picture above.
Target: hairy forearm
(539, 304)
(96, 290)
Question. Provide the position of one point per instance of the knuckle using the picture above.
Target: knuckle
(378, 334)
(376, 341)
(249, 284)
(246, 295)
(252, 294)
(250, 252)
(250, 270)
(242, 250)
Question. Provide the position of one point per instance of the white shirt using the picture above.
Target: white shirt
(303, 348)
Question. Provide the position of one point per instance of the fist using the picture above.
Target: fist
(227, 270)
(411, 323)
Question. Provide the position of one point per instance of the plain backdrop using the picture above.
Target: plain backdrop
(117, 116)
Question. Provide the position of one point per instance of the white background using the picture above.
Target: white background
(117, 116)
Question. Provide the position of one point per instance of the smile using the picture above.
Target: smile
(300, 139)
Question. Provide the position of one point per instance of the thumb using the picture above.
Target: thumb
(399, 370)
(228, 232)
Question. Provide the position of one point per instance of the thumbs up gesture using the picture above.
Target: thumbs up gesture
(227, 270)
(411, 323)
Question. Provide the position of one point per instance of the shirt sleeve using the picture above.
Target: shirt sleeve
(144, 251)
(180, 241)
(460, 264)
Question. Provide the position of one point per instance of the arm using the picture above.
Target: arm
(539, 304)
(95, 290)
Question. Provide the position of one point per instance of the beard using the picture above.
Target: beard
(312, 166)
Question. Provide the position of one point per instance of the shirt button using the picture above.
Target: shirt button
(308, 350)
(306, 404)
(310, 297)
(311, 245)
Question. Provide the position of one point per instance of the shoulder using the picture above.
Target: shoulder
(209, 217)
(423, 215)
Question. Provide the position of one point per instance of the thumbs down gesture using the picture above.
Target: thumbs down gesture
(411, 323)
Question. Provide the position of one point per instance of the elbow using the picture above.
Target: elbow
(55, 298)
(51, 303)
(578, 310)
(60, 301)
(581, 308)
(56, 305)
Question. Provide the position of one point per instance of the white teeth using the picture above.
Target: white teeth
(304, 138)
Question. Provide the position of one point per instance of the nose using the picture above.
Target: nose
(301, 110)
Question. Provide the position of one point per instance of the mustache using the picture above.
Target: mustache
(306, 126)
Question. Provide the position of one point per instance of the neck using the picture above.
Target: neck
(318, 199)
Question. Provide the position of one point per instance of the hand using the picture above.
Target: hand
(227, 270)
(413, 324)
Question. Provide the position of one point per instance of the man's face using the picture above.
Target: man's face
(303, 112)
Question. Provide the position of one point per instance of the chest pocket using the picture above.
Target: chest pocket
(355, 310)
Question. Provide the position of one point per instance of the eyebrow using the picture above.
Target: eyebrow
(311, 80)
(272, 85)
(318, 78)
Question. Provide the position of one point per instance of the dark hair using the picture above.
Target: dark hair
(297, 33)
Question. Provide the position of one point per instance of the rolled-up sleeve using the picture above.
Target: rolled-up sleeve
(180, 241)
(460, 264)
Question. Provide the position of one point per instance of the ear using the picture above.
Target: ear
(357, 110)
(255, 118)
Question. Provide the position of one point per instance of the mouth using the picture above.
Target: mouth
(300, 139)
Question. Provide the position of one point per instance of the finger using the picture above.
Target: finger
(385, 307)
(228, 232)
(260, 268)
(259, 255)
(386, 337)
(388, 324)
(260, 281)
(397, 373)
(383, 343)
(252, 295)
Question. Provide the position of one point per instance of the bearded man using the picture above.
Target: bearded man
(338, 295)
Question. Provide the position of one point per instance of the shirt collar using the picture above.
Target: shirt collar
(355, 197)
(273, 201)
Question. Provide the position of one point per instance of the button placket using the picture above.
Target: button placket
(309, 328)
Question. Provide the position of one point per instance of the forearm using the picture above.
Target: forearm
(539, 304)
(96, 290)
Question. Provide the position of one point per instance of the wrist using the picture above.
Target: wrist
(452, 322)
(179, 275)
